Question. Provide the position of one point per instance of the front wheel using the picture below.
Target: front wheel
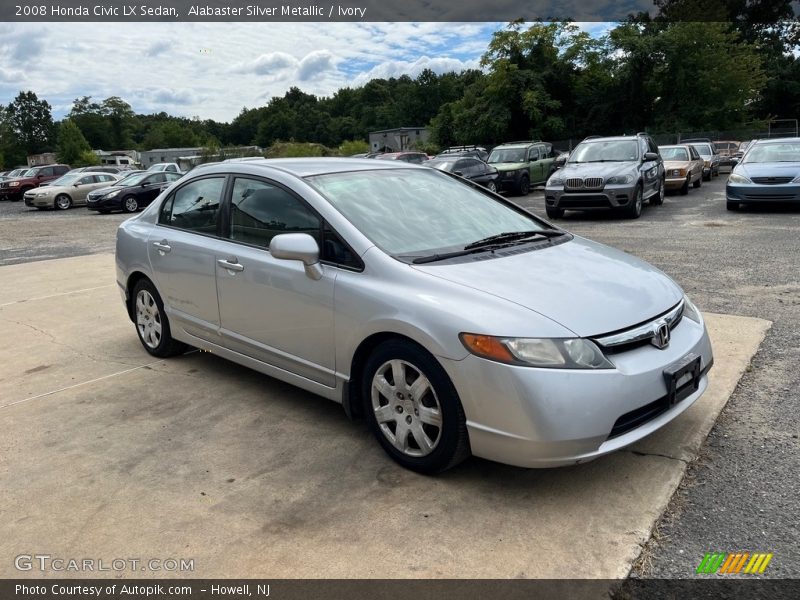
(491, 187)
(658, 199)
(130, 204)
(413, 408)
(63, 202)
(152, 324)
(524, 186)
(634, 210)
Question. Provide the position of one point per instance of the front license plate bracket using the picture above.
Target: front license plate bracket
(682, 378)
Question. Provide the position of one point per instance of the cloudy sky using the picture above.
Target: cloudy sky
(212, 70)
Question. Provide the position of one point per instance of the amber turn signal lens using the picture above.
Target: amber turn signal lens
(487, 346)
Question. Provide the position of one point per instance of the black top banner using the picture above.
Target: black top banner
(387, 11)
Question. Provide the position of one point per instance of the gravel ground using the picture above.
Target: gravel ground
(743, 493)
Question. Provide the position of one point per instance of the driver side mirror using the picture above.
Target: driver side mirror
(650, 156)
(459, 173)
(298, 246)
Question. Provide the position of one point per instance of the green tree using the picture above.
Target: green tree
(30, 122)
(119, 116)
(72, 147)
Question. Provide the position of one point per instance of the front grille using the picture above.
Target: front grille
(770, 180)
(584, 201)
(769, 196)
(638, 335)
(590, 183)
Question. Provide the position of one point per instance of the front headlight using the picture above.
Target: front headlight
(619, 179)
(552, 353)
(554, 180)
(736, 178)
(112, 194)
(690, 311)
(14, 184)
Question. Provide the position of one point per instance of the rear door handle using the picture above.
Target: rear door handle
(162, 246)
(231, 264)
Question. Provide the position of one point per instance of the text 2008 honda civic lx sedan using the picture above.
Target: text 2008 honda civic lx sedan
(456, 322)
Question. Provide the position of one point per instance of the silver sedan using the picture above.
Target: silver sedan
(454, 321)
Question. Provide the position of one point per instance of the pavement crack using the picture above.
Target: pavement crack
(108, 359)
(639, 453)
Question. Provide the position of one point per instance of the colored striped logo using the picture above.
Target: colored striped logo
(739, 562)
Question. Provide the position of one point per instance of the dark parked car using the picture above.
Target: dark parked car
(132, 193)
(467, 167)
(14, 189)
(416, 158)
(473, 151)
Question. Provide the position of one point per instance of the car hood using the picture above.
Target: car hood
(676, 164)
(509, 166)
(606, 169)
(589, 288)
(775, 169)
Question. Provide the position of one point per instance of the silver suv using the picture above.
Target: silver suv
(608, 173)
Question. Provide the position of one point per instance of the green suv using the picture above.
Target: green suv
(522, 164)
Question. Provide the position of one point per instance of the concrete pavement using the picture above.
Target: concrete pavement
(108, 453)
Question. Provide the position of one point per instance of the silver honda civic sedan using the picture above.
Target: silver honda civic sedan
(454, 321)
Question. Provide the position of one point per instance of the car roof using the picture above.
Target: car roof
(309, 167)
(612, 138)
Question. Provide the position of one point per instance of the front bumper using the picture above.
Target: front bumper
(10, 194)
(103, 203)
(611, 196)
(508, 180)
(789, 192)
(33, 201)
(675, 182)
(531, 417)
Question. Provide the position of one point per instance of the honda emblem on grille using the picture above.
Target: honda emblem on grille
(661, 335)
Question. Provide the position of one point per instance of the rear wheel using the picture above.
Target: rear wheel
(130, 204)
(553, 212)
(63, 202)
(732, 205)
(413, 408)
(152, 324)
(707, 177)
(697, 183)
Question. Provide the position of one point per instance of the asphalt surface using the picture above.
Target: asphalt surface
(743, 493)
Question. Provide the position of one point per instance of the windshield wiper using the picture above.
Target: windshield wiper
(513, 236)
(490, 243)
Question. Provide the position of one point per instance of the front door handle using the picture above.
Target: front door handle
(231, 264)
(162, 246)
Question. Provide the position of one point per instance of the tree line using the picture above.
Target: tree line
(542, 80)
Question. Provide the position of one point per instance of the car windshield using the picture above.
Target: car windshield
(703, 149)
(67, 179)
(132, 179)
(778, 152)
(507, 155)
(418, 212)
(606, 151)
(673, 153)
(29, 173)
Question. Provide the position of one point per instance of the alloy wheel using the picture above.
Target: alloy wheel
(131, 205)
(63, 202)
(406, 408)
(148, 319)
(491, 187)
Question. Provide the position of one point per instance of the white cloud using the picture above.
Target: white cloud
(212, 70)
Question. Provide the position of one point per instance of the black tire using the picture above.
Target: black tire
(452, 442)
(524, 186)
(732, 205)
(657, 199)
(685, 186)
(166, 346)
(634, 209)
(553, 212)
(130, 204)
(62, 202)
(707, 177)
(698, 183)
